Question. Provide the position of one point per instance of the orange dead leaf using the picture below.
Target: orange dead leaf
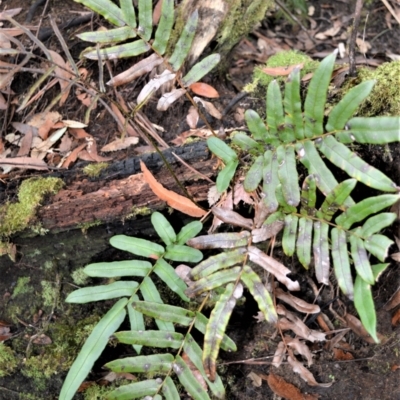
(173, 199)
(285, 389)
(281, 71)
(396, 318)
(342, 355)
(395, 367)
(202, 89)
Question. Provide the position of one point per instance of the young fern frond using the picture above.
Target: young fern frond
(340, 226)
(165, 316)
(141, 30)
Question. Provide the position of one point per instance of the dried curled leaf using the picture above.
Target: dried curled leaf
(173, 199)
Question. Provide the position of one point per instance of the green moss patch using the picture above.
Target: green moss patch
(15, 217)
(282, 59)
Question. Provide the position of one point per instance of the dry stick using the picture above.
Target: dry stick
(353, 37)
(390, 8)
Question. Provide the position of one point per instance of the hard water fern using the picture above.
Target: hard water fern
(165, 316)
(327, 225)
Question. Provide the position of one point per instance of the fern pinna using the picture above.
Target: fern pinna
(339, 230)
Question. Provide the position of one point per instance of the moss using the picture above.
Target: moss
(385, 96)
(8, 360)
(282, 59)
(79, 277)
(22, 286)
(242, 17)
(94, 170)
(49, 293)
(142, 211)
(59, 356)
(86, 225)
(15, 217)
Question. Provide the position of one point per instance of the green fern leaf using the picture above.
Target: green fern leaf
(170, 278)
(288, 176)
(121, 51)
(321, 252)
(364, 209)
(213, 281)
(378, 245)
(159, 339)
(128, 13)
(145, 19)
(217, 262)
(183, 253)
(341, 262)
(163, 228)
(140, 247)
(115, 269)
(260, 294)
(364, 304)
(292, 104)
(246, 143)
(185, 42)
(335, 199)
(378, 130)
(308, 196)
(257, 128)
(136, 321)
(303, 244)
(195, 353)
(188, 380)
(314, 105)
(325, 179)
(155, 363)
(165, 312)
(254, 175)
(275, 116)
(221, 150)
(289, 234)
(220, 240)
(169, 390)
(102, 292)
(346, 107)
(135, 390)
(164, 28)
(201, 69)
(361, 259)
(270, 181)
(107, 9)
(188, 232)
(217, 325)
(93, 347)
(342, 157)
(201, 324)
(150, 293)
(377, 223)
(109, 36)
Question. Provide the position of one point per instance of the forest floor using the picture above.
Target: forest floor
(33, 286)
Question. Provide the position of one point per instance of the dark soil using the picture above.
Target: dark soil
(371, 375)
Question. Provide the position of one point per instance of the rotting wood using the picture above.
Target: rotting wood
(120, 189)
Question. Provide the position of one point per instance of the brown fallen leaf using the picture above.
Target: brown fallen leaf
(394, 301)
(285, 389)
(396, 318)
(342, 355)
(232, 217)
(304, 373)
(357, 327)
(281, 71)
(44, 122)
(255, 379)
(174, 200)
(24, 162)
(203, 89)
(120, 144)
(42, 339)
(295, 302)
